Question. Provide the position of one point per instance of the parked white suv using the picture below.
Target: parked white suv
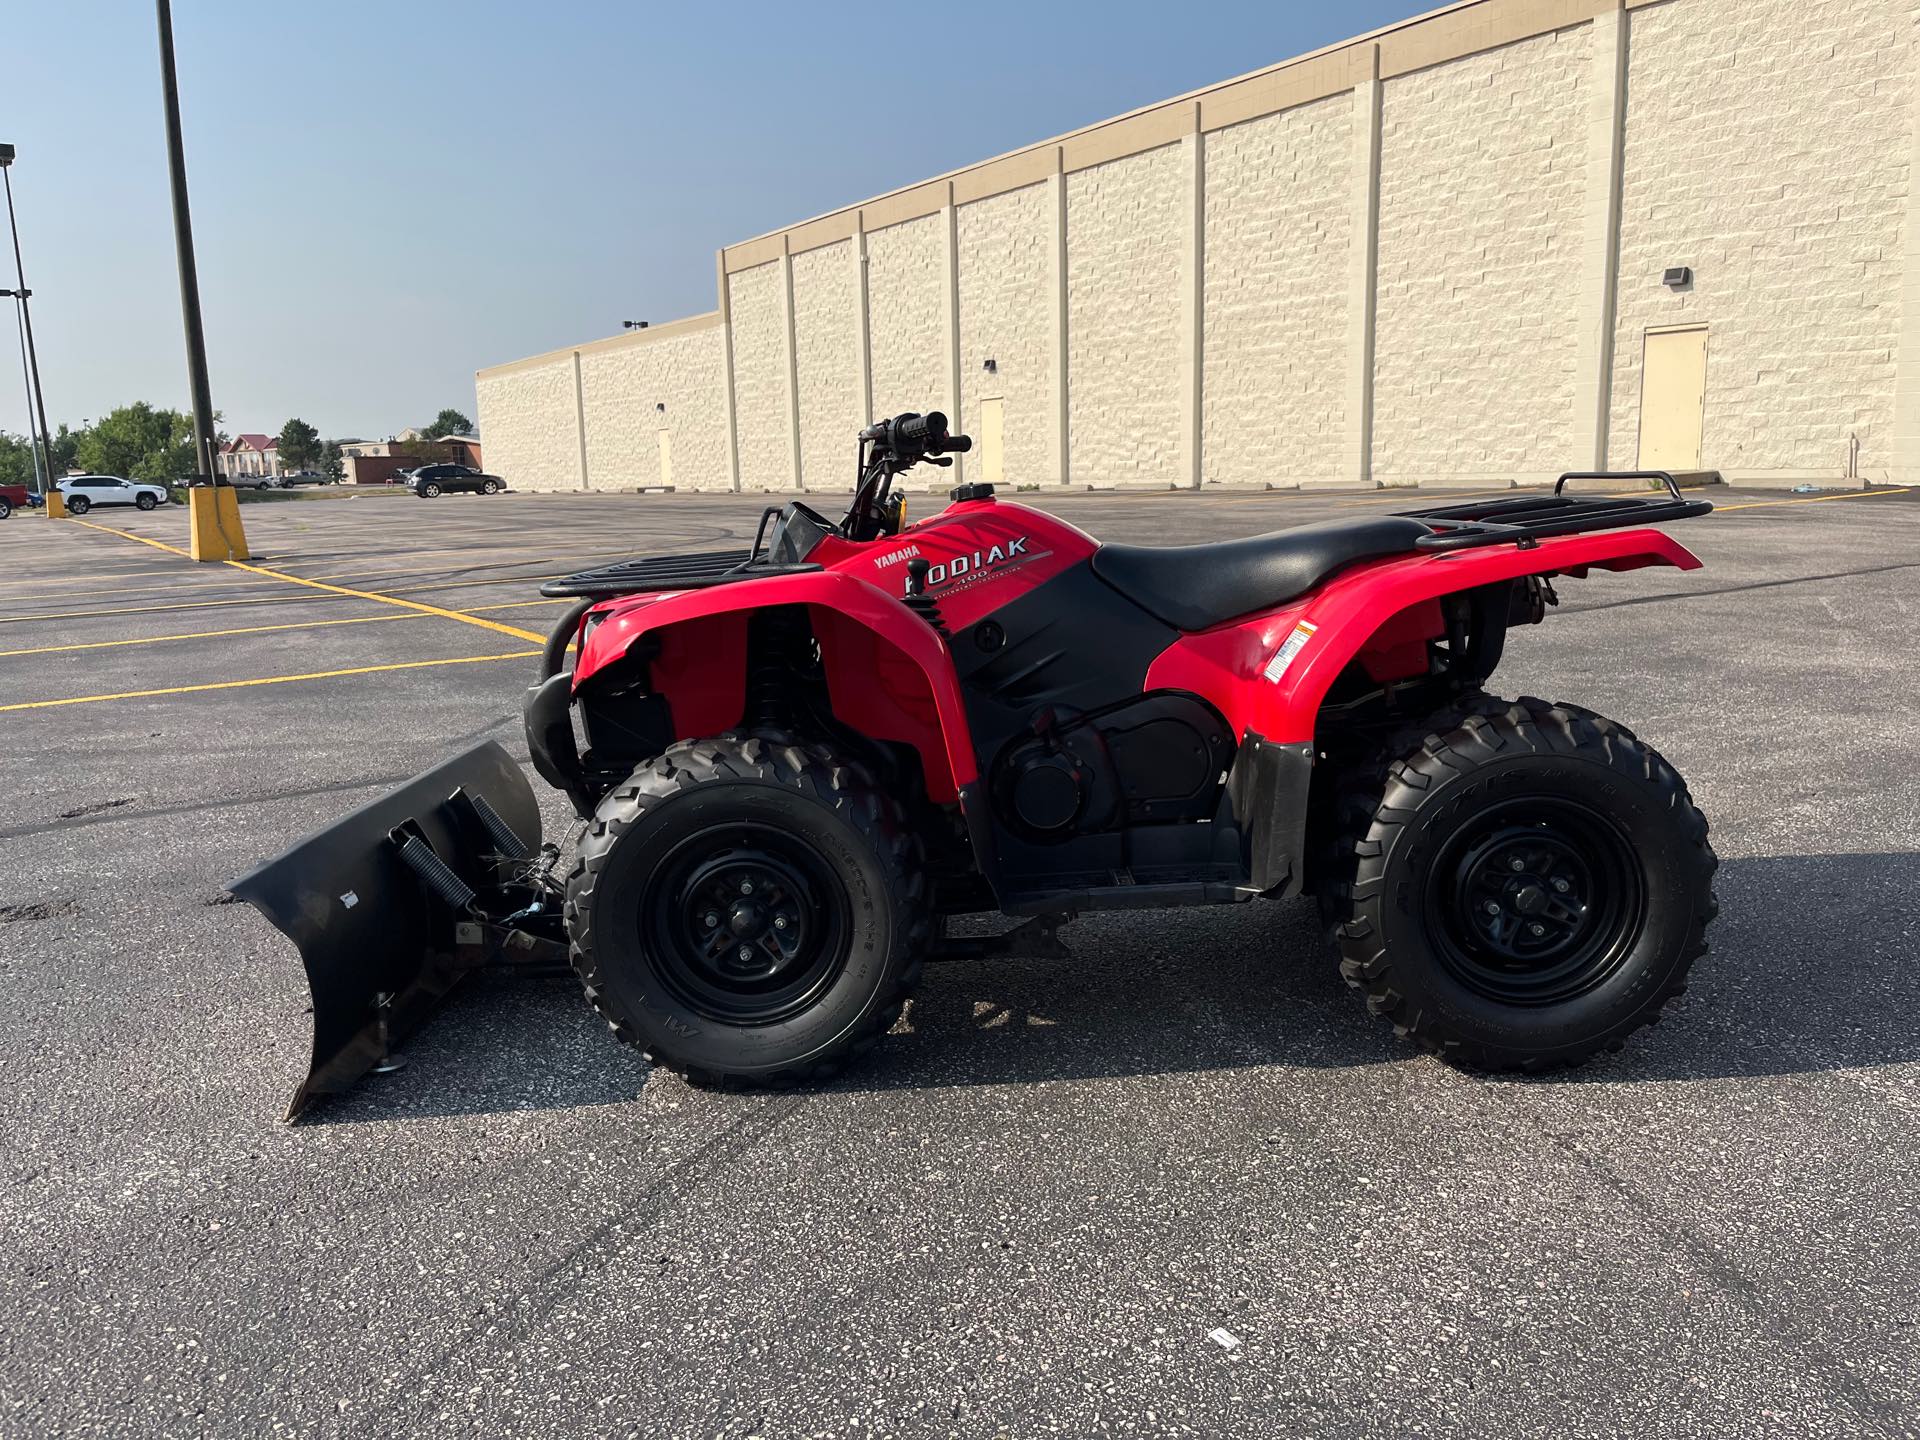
(83, 492)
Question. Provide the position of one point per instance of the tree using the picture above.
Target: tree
(16, 460)
(139, 442)
(332, 463)
(448, 422)
(299, 445)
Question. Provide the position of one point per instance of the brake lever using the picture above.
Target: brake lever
(941, 460)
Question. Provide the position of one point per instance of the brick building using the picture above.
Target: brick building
(1492, 243)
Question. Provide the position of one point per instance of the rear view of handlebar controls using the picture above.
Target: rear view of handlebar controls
(911, 438)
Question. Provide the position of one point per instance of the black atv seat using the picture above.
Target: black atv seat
(1194, 586)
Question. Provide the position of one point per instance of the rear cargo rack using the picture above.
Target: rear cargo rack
(1527, 520)
(668, 572)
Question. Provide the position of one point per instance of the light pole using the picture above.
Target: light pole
(216, 531)
(26, 380)
(26, 325)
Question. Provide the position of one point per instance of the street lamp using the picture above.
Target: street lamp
(26, 380)
(20, 294)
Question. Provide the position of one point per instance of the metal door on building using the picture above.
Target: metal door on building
(992, 428)
(666, 458)
(1673, 397)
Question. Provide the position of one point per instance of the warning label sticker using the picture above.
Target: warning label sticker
(1283, 657)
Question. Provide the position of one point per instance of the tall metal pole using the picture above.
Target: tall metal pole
(26, 322)
(40, 460)
(189, 276)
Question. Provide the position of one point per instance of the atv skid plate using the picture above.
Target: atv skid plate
(393, 905)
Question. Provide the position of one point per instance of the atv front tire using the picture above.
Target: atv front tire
(1523, 890)
(749, 911)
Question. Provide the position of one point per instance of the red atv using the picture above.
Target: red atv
(799, 758)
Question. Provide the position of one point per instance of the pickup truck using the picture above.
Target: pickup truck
(13, 497)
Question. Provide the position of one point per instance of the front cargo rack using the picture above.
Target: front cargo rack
(668, 572)
(1527, 520)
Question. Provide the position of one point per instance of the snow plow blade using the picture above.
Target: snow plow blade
(390, 906)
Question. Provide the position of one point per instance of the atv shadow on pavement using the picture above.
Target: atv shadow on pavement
(1810, 972)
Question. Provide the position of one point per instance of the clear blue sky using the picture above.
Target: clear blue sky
(388, 196)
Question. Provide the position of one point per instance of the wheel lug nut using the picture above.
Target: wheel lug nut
(712, 920)
(746, 887)
(1493, 907)
(1561, 886)
(746, 952)
(1536, 929)
(779, 922)
(1517, 864)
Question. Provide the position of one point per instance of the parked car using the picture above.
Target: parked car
(291, 478)
(13, 497)
(429, 481)
(83, 492)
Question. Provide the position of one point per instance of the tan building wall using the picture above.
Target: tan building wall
(906, 268)
(760, 405)
(529, 422)
(1767, 148)
(637, 387)
(1005, 289)
(1428, 255)
(1482, 163)
(1279, 227)
(1123, 317)
(826, 329)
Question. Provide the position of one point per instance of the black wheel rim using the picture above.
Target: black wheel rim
(746, 924)
(1535, 900)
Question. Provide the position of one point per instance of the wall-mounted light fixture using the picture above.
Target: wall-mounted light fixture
(1677, 277)
(660, 406)
(633, 324)
(992, 366)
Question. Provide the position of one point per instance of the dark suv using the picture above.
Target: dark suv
(432, 480)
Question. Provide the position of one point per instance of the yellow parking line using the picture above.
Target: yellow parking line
(463, 618)
(266, 680)
(1811, 499)
(129, 535)
(207, 634)
(375, 597)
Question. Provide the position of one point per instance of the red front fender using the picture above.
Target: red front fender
(1240, 668)
(889, 674)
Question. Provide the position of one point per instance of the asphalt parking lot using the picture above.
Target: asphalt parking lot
(1027, 1213)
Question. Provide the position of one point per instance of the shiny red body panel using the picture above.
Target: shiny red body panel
(1381, 612)
(890, 675)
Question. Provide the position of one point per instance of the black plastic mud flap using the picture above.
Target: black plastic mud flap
(382, 932)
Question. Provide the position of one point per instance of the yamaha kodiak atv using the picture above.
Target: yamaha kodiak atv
(799, 758)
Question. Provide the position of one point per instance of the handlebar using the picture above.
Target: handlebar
(887, 448)
(909, 438)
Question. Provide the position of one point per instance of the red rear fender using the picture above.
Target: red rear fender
(1270, 672)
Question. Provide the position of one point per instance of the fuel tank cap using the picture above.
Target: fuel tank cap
(980, 491)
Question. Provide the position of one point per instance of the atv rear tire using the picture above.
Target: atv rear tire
(749, 911)
(1522, 891)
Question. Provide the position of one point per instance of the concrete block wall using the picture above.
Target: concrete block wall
(624, 387)
(528, 412)
(760, 404)
(1005, 292)
(826, 333)
(906, 270)
(1278, 230)
(1124, 239)
(1429, 255)
(1483, 164)
(1767, 148)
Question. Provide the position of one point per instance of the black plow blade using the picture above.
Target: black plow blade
(393, 904)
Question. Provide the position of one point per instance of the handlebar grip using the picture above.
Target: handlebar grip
(959, 442)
